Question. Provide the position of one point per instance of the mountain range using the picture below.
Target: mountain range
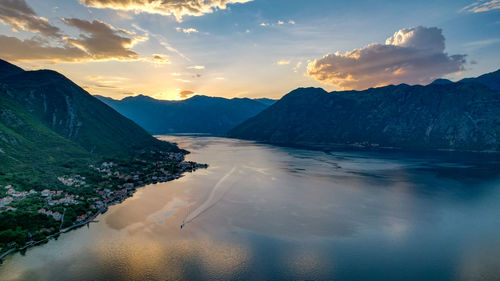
(464, 115)
(490, 80)
(198, 114)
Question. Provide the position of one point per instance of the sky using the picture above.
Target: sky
(174, 49)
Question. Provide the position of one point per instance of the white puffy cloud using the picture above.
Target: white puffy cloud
(176, 8)
(482, 6)
(421, 38)
(413, 56)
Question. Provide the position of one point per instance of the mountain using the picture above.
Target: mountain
(49, 124)
(71, 112)
(198, 114)
(442, 81)
(457, 116)
(490, 80)
(7, 69)
(266, 101)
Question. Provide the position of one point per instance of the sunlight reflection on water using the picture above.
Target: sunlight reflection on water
(287, 213)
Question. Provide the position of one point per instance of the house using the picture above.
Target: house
(57, 216)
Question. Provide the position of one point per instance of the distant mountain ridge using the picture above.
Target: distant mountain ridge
(490, 80)
(198, 114)
(457, 116)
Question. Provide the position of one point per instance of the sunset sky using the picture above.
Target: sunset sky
(172, 49)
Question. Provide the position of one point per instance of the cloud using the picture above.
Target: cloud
(99, 41)
(105, 82)
(185, 94)
(176, 8)
(283, 62)
(279, 22)
(163, 41)
(103, 41)
(482, 6)
(37, 49)
(160, 59)
(20, 16)
(414, 56)
(199, 67)
(186, 30)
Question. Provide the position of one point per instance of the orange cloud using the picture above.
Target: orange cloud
(103, 41)
(176, 8)
(414, 56)
(14, 49)
(98, 41)
(185, 94)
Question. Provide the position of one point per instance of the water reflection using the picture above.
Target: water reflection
(283, 213)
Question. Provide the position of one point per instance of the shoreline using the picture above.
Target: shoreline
(6, 253)
(329, 147)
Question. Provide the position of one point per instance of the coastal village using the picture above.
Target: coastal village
(79, 199)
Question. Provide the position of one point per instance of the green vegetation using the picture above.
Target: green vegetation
(442, 116)
(33, 154)
(65, 156)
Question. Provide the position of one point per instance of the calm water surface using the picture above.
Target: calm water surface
(264, 212)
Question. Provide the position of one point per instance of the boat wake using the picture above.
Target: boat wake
(217, 193)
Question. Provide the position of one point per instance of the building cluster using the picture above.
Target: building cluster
(104, 168)
(50, 193)
(67, 200)
(64, 198)
(56, 215)
(115, 186)
(108, 197)
(11, 194)
(76, 181)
